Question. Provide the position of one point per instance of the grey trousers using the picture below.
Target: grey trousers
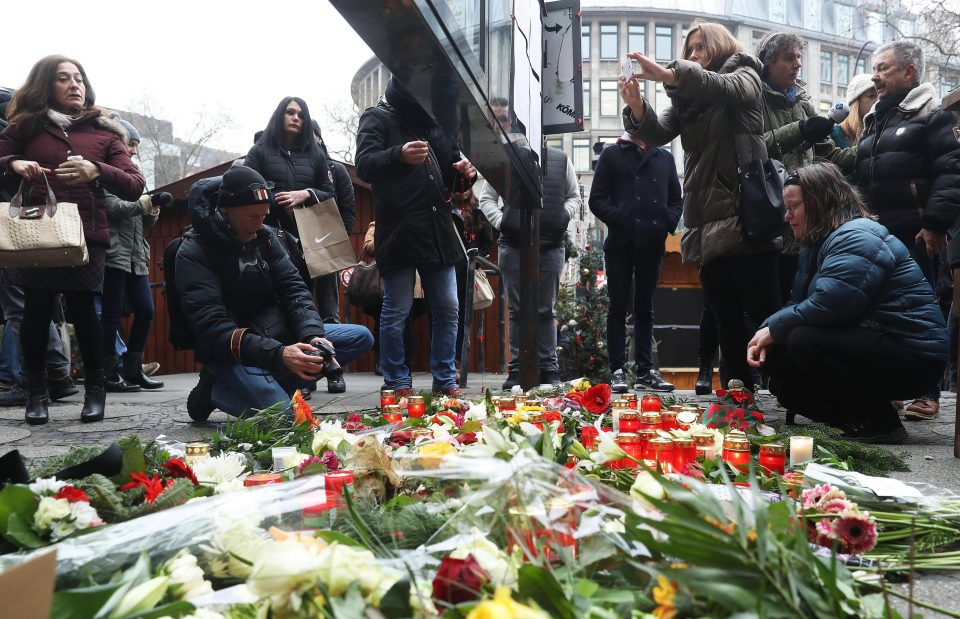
(327, 290)
(546, 318)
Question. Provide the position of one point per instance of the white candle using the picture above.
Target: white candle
(801, 449)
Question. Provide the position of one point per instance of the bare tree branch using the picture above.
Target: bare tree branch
(340, 124)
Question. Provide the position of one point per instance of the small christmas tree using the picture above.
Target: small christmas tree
(582, 316)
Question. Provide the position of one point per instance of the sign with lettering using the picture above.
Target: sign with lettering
(562, 70)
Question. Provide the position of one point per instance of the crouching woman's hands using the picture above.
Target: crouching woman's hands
(757, 347)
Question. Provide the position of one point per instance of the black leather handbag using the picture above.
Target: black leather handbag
(760, 191)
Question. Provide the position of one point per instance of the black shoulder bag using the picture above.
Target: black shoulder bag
(760, 189)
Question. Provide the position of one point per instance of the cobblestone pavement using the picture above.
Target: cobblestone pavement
(152, 413)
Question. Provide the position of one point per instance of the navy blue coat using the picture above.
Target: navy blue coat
(636, 193)
(863, 276)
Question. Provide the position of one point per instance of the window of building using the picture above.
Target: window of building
(609, 41)
(843, 69)
(609, 98)
(585, 40)
(861, 66)
(581, 154)
(664, 50)
(811, 14)
(555, 142)
(947, 83)
(826, 67)
(824, 107)
(907, 27)
(661, 100)
(778, 11)
(637, 38)
(587, 92)
(876, 27)
(843, 19)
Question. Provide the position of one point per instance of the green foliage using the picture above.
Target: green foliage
(860, 457)
(582, 315)
(257, 435)
(74, 456)
(396, 525)
(105, 498)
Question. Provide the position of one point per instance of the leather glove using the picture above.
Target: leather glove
(816, 128)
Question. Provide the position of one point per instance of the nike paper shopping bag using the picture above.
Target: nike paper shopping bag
(326, 246)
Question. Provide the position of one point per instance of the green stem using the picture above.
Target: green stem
(926, 605)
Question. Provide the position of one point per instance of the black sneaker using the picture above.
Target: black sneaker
(335, 382)
(652, 381)
(618, 382)
(883, 429)
(14, 396)
(513, 379)
(549, 377)
(199, 402)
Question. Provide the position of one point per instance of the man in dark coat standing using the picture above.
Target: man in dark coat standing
(908, 167)
(636, 193)
(416, 172)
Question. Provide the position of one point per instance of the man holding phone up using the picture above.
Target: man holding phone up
(417, 173)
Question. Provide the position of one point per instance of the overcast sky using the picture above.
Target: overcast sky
(240, 57)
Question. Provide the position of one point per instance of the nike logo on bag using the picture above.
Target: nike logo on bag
(319, 239)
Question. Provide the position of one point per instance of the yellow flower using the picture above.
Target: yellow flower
(582, 385)
(752, 535)
(516, 418)
(432, 454)
(665, 595)
(727, 528)
(502, 606)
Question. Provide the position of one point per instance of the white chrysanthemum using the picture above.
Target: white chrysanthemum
(186, 578)
(217, 470)
(49, 511)
(84, 515)
(47, 486)
(328, 437)
(233, 485)
(340, 566)
(236, 537)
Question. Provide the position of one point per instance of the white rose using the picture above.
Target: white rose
(186, 577)
(50, 510)
(341, 566)
(47, 486)
(329, 436)
(236, 535)
(283, 568)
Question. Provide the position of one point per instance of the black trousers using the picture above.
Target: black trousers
(741, 291)
(37, 314)
(838, 374)
(637, 272)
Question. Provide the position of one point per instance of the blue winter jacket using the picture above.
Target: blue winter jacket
(862, 275)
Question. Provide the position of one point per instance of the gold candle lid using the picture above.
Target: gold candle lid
(683, 442)
(703, 438)
(629, 438)
(414, 399)
(774, 449)
(388, 393)
(650, 417)
(736, 443)
(676, 408)
(621, 403)
(668, 415)
(629, 415)
(662, 441)
(629, 397)
(647, 434)
(197, 448)
(391, 408)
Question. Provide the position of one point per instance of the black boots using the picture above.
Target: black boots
(133, 372)
(114, 381)
(94, 397)
(37, 398)
(335, 382)
(705, 379)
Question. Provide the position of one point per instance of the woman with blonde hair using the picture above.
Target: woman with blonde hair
(861, 95)
(715, 91)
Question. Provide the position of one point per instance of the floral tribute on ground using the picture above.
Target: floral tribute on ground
(562, 503)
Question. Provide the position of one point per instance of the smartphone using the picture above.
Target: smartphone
(626, 68)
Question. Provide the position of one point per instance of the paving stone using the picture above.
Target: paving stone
(99, 427)
(72, 413)
(8, 434)
(40, 451)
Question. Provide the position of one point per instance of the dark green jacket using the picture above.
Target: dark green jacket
(129, 251)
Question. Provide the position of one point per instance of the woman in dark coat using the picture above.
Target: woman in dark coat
(862, 327)
(52, 118)
(715, 93)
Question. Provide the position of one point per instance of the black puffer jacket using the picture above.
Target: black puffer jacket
(414, 222)
(291, 170)
(908, 166)
(346, 199)
(218, 298)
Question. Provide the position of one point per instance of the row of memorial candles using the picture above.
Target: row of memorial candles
(390, 408)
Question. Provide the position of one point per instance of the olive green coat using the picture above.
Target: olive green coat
(729, 126)
(781, 124)
(129, 251)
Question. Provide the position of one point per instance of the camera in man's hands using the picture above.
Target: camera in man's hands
(326, 353)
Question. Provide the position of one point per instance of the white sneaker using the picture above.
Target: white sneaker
(618, 382)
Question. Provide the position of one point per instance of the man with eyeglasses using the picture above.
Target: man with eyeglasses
(254, 325)
(908, 168)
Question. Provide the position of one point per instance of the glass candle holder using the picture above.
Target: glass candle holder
(685, 419)
(415, 406)
(664, 450)
(675, 408)
(632, 400)
(616, 412)
(262, 479)
(668, 420)
(391, 414)
(387, 397)
(736, 451)
(650, 403)
(196, 452)
(801, 449)
(337, 483)
(588, 437)
(684, 454)
(631, 445)
(705, 445)
(506, 404)
(773, 457)
(650, 421)
(521, 400)
(630, 421)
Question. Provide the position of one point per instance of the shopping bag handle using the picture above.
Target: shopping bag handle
(32, 212)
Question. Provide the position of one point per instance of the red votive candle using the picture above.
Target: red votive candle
(335, 482)
(736, 451)
(631, 445)
(773, 457)
(391, 414)
(415, 406)
(588, 436)
(650, 403)
(664, 450)
(629, 422)
(684, 454)
(668, 420)
(387, 397)
(650, 421)
(632, 400)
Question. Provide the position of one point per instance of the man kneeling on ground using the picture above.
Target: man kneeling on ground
(255, 326)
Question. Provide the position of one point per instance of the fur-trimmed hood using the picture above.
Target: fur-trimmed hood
(922, 100)
(111, 125)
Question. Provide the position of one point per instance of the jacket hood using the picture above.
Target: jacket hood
(741, 59)
(112, 125)
(404, 103)
(922, 98)
(771, 91)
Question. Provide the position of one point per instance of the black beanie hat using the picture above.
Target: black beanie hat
(242, 186)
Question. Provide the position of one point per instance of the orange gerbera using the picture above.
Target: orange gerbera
(302, 413)
(665, 595)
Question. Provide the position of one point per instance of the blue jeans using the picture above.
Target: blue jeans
(119, 347)
(440, 290)
(118, 285)
(12, 302)
(242, 390)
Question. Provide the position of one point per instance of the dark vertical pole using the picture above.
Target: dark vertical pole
(530, 278)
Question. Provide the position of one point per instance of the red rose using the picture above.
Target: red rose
(721, 393)
(551, 416)
(401, 438)
(741, 397)
(177, 469)
(72, 495)
(354, 418)
(459, 580)
(468, 438)
(330, 461)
